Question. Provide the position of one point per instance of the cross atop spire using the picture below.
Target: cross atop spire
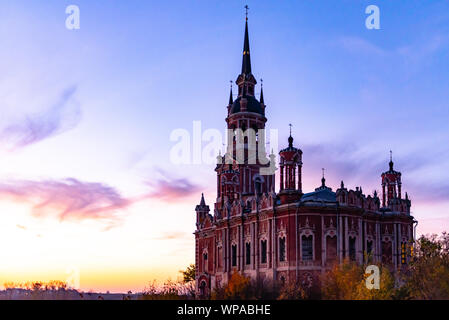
(323, 180)
(391, 161)
(246, 8)
(290, 139)
(261, 92)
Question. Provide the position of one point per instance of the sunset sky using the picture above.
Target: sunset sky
(87, 186)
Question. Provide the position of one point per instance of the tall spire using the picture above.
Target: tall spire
(261, 92)
(246, 64)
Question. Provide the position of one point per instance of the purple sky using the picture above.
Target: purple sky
(86, 118)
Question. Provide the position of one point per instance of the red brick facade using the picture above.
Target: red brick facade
(290, 234)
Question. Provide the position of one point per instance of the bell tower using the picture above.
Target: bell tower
(240, 171)
(391, 184)
(290, 188)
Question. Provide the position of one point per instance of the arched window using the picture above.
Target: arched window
(352, 248)
(263, 253)
(331, 248)
(307, 248)
(369, 247)
(205, 262)
(248, 253)
(234, 255)
(282, 249)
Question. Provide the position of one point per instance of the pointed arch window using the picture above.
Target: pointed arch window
(248, 253)
(352, 248)
(282, 249)
(234, 255)
(263, 253)
(307, 247)
(205, 262)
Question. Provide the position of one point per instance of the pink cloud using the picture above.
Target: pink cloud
(168, 189)
(173, 236)
(68, 199)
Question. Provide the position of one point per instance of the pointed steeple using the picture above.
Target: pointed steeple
(261, 92)
(246, 64)
(202, 202)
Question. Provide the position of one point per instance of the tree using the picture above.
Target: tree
(189, 273)
(238, 288)
(428, 274)
(340, 282)
(188, 279)
(292, 290)
(347, 281)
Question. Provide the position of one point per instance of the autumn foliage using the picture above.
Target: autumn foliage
(347, 281)
(425, 277)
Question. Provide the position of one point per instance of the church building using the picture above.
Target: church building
(292, 234)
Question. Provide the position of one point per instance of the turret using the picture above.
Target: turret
(202, 210)
(291, 172)
(391, 184)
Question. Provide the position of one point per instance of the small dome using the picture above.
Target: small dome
(252, 105)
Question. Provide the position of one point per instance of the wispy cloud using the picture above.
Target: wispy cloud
(62, 116)
(68, 199)
(169, 188)
(359, 45)
(417, 52)
(429, 193)
(173, 236)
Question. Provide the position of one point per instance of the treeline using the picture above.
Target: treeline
(426, 277)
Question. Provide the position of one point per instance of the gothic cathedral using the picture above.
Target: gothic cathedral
(289, 235)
